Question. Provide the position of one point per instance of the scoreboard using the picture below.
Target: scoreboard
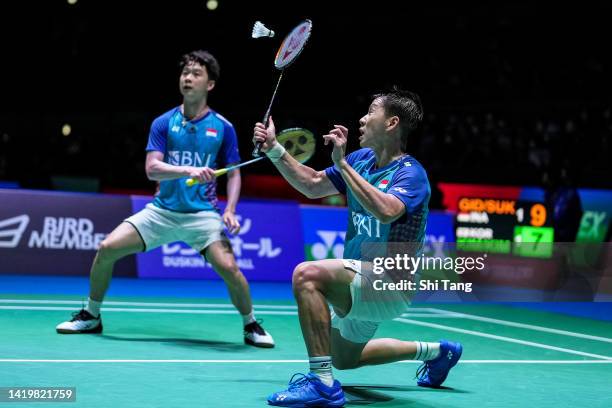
(504, 226)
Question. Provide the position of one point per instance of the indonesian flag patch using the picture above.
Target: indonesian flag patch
(211, 132)
(383, 184)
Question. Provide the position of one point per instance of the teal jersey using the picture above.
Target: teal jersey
(404, 178)
(207, 142)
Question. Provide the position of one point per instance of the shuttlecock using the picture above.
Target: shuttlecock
(260, 30)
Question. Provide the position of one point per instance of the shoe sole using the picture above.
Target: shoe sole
(95, 330)
(260, 345)
(318, 403)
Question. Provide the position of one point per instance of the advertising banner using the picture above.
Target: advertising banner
(50, 233)
(324, 231)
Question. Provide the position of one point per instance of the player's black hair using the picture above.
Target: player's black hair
(203, 58)
(406, 105)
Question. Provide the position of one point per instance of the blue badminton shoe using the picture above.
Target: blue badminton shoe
(433, 372)
(308, 391)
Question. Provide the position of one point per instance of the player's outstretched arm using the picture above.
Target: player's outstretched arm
(311, 183)
(158, 170)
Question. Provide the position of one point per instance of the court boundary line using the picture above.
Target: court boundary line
(161, 304)
(501, 338)
(524, 325)
(217, 361)
(178, 311)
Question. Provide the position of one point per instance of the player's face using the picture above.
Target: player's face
(194, 82)
(372, 125)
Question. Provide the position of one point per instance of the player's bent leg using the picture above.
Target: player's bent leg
(314, 285)
(353, 346)
(123, 241)
(221, 257)
(386, 350)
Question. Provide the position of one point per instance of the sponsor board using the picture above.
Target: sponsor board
(57, 233)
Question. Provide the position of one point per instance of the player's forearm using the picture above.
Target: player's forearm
(234, 183)
(377, 203)
(159, 171)
(302, 178)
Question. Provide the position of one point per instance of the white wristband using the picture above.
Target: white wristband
(276, 152)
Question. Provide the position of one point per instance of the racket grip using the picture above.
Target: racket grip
(191, 181)
(221, 172)
(257, 150)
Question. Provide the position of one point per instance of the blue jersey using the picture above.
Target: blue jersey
(404, 178)
(207, 142)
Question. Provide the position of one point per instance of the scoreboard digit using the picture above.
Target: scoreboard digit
(533, 241)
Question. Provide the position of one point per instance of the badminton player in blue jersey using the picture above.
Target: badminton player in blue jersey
(188, 141)
(387, 193)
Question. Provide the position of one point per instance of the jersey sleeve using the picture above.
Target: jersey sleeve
(158, 135)
(334, 174)
(228, 152)
(411, 186)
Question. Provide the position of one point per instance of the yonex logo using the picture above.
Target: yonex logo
(450, 355)
(11, 230)
(400, 190)
(320, 250)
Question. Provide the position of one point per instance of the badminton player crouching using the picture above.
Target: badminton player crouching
(188, 141)
(388, 193)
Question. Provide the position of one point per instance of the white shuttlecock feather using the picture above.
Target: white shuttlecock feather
(260, 30)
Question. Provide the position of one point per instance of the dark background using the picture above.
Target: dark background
(514, 93)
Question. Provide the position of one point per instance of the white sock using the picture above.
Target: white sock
(322, 368)
(93, 307)
(426, 351)
(248, 318)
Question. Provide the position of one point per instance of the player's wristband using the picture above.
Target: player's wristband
(276, 152)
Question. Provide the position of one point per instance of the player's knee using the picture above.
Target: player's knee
(108, 251)
(305, 277)
(229, 271)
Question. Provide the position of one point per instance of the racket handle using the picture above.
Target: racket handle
(221, 172)
(257, 150)
(191, 181)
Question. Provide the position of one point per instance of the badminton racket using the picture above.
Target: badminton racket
(289, 50)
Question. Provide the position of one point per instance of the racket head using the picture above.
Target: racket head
(299, 142)
(293, 44)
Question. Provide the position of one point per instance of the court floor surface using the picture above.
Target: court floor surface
(175, 351)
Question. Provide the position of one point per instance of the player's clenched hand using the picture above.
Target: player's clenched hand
(264, 135)
(338, 136)
(201, 174)
(231, 222)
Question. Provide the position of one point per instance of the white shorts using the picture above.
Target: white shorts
(369, 306)
(157, 227)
